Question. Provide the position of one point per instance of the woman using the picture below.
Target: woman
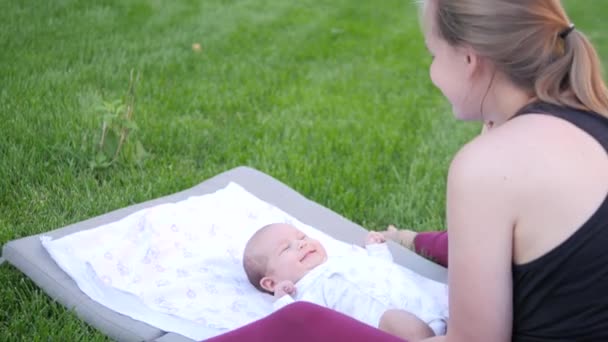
(527, 203)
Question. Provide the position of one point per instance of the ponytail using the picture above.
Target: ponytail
(575, 78)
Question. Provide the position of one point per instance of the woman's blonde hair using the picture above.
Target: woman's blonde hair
(529, 41)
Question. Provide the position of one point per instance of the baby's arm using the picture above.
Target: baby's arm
(282, 294)
(376, 246)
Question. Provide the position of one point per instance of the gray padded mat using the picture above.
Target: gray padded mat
(28, 255)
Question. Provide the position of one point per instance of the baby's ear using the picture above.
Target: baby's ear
(268, 284)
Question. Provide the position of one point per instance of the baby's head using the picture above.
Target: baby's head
(279, 252)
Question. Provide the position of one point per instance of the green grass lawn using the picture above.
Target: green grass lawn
(331, 97)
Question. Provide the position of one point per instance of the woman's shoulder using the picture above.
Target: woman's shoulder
(527, 152)
(525, 138)
(496, 153)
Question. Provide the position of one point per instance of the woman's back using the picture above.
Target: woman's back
(560, 240)
(563, 164)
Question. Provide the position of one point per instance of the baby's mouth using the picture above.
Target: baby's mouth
(307, 254)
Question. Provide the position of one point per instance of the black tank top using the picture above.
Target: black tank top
(563, 295)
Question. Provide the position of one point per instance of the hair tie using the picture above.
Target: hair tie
(566, 31)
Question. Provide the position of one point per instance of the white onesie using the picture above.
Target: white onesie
(366, 286)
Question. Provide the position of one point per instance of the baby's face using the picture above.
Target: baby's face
(291, 254)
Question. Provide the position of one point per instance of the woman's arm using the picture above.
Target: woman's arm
(480, 223)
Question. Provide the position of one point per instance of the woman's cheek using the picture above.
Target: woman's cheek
(439, 79)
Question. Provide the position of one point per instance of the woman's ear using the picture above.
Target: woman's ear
(473, 63)
(268, 284)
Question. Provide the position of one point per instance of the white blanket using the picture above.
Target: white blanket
(178, 266)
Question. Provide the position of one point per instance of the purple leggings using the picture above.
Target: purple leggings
(433, 245)
(306, 322)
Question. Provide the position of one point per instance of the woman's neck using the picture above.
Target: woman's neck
(505, 101)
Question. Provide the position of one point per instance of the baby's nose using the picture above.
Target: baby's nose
(302, 244)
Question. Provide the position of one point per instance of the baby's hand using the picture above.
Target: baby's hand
(374, 238)
(285, 287)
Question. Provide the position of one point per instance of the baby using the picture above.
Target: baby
(281, 260)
